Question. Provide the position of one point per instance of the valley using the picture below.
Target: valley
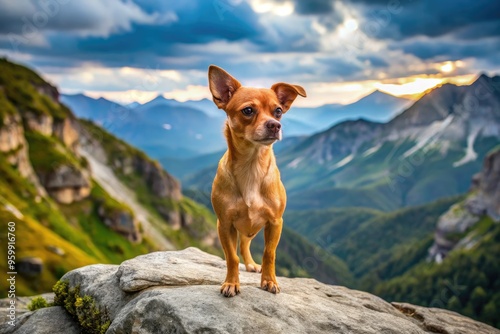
(369, 198)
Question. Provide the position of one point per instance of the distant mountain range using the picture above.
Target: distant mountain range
(376, 107)
(79, 195)
(428, 151)
(177, 130)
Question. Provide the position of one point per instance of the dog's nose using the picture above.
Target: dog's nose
(273, 125)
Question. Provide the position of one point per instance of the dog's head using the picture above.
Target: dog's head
(254, 114)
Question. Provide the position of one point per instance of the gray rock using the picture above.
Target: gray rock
(490, 184)
(483, 199)
(67, 131)
(66, 183)
(39, 123)
(50, 320)
(121, 221)
(437, 320)
(178, 292)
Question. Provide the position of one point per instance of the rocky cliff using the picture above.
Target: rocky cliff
(178, 292)
(483, 200)
(49, 188)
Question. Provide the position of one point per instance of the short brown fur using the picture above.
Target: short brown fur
(247, 193)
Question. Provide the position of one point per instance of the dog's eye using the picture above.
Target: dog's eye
(278, 112)
(247, 111)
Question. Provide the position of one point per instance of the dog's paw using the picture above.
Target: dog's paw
(230, 289)
(254, 268)
(271, 286)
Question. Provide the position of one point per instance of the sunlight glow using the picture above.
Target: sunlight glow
(412, 87)
(351, 25)
(348, 27)
(447, 67)
(281, 9)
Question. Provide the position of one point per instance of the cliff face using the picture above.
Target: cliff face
(483, 200)
(178, 292)
(487, 187)
(15, 148)
(49, 187)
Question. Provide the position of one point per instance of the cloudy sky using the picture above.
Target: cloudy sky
(129, 50)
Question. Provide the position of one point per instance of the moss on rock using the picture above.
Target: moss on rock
(84, 309)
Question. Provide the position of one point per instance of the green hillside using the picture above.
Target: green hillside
(69, 235)
(466, 282)
(365, 238)
(384, 180)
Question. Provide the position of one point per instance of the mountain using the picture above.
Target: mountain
(100, 110)
(205, 105)
(133, 105)
(429, 151)
(163, 128)
(376, 107)
(72, 208)
(78, 195)
(441, 254)
(460, 270)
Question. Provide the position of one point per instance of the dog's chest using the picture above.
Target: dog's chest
(258, 205)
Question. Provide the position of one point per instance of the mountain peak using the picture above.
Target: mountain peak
(159, 97)
(483, 78)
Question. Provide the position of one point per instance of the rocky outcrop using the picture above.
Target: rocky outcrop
(487, 186)
(484, 199)
(178, 292)
(160, 182)
(66, 131)
(48, 90)
(67, 184)
(39, 123)
(120, 221)
(14, 145)
(48, 320)
(126, 160)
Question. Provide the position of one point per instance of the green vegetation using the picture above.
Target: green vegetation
(20, 87)
(113, 247)
(385, 180)
(6, 108)
(84, 309)
(38, 303)
(115, 148)
(48, 153)
(63, 237)
(198, 220)
(465, 282)
(356, 234)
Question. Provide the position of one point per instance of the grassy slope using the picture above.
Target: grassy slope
(365, 239)
(203, 220)
(74, 228)
(466, 282)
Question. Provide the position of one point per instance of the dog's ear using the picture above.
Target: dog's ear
(287, 93)
(222, 85)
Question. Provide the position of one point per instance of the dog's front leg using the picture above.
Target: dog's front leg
(272, 233)
(228, 238)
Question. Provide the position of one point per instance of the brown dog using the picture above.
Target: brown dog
(247, 193)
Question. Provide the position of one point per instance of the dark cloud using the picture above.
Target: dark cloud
(191, 34)
(144, 44)
(374, 61)
(442, 49)
(316, 7)
(400, 20)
